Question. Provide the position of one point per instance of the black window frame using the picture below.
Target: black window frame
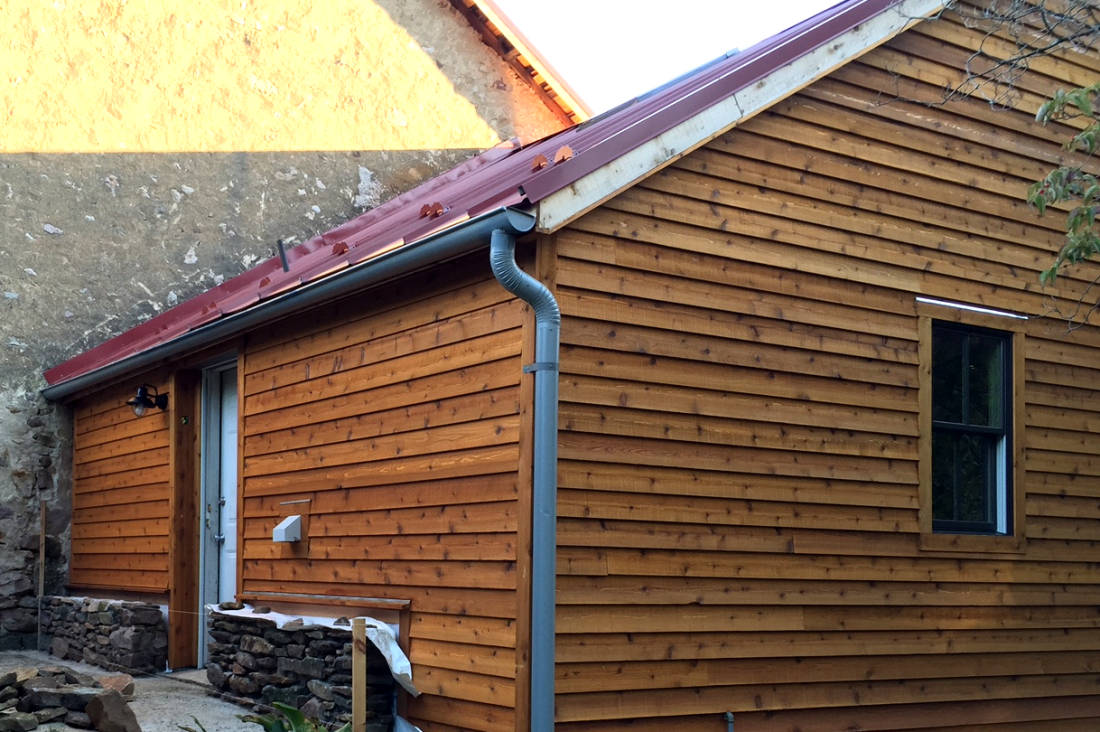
(997, 493)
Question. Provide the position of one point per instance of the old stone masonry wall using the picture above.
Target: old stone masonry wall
(33, 441)
(124, 193)
(120, 636)
(308, 667)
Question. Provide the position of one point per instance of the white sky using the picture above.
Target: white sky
(612, 50)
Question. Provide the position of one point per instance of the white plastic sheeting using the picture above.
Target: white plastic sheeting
(382, 635)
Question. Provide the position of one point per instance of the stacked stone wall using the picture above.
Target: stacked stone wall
(111, 634)
(34, 467)
(306, 666)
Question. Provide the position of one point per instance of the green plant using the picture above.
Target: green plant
(198, 724)
(1074, 184)
(287, 719)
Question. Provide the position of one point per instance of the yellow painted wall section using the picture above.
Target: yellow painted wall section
(115, 76)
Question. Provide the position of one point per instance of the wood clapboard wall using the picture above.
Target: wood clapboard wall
(121, 496)
(738, 502)
(397, 415)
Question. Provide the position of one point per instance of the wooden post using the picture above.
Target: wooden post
(358, 675)
(184, 390)
(41, 568)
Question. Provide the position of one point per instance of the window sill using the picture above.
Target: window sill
(973, 543)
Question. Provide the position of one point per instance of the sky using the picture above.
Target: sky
(610, 51)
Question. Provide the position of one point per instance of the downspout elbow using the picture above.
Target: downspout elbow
(502, 258)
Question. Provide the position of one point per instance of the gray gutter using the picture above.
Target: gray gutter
(453, 242)
(545, 474)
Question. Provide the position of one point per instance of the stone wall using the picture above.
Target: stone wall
(33, 444)
(129, 186)
(111, 634)
(306, 666)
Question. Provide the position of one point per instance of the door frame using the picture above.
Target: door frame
(183, 574)
(210, 490)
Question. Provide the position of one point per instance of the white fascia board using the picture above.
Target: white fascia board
(563, 206)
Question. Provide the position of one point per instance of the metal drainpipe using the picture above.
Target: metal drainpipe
(545, 475)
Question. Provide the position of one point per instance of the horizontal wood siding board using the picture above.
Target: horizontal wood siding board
(720, 403)
(448, 713)
(716, 511)
(616, 590)
(601, 419)
(120, 579)
(472, 547)
(794, 540)
(573, 678)
(681, 369)
(795, 645)
(746, 485)
(717, 700)
(406, 494)
(478, 602)
(1062, 713)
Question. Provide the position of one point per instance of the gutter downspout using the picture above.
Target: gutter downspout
(502, 257)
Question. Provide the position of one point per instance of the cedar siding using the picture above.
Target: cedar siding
(396, 414)
(121, 493)
(739, 448)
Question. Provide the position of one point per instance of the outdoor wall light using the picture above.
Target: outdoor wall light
(147, 398)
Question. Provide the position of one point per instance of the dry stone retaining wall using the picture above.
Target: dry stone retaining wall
(111, 634)
(306, 666)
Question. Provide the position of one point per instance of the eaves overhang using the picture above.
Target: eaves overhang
(456, 241)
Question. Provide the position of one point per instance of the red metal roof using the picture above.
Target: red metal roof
(506, 175)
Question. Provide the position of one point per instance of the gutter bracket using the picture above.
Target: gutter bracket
(540, 366)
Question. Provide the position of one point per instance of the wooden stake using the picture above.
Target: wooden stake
(358, 675)
(41, 568)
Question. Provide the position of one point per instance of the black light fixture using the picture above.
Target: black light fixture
(147, 398)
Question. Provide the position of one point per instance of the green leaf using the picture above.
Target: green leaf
(198, 725)
(298, 721)
(268, 722)
(1081, 99)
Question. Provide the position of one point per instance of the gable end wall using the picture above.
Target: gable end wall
(739, 488)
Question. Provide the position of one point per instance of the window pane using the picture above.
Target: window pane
(943, 476)
(986, 376)
(964, 475)
(975, 473)
(947, 375)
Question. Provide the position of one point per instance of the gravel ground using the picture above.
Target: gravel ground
(160, 702)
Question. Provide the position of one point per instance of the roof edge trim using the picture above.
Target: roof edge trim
(538, 62)
(563, 206)
(441, 246)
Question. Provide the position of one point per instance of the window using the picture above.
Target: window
(971, 415)
(971, 495)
